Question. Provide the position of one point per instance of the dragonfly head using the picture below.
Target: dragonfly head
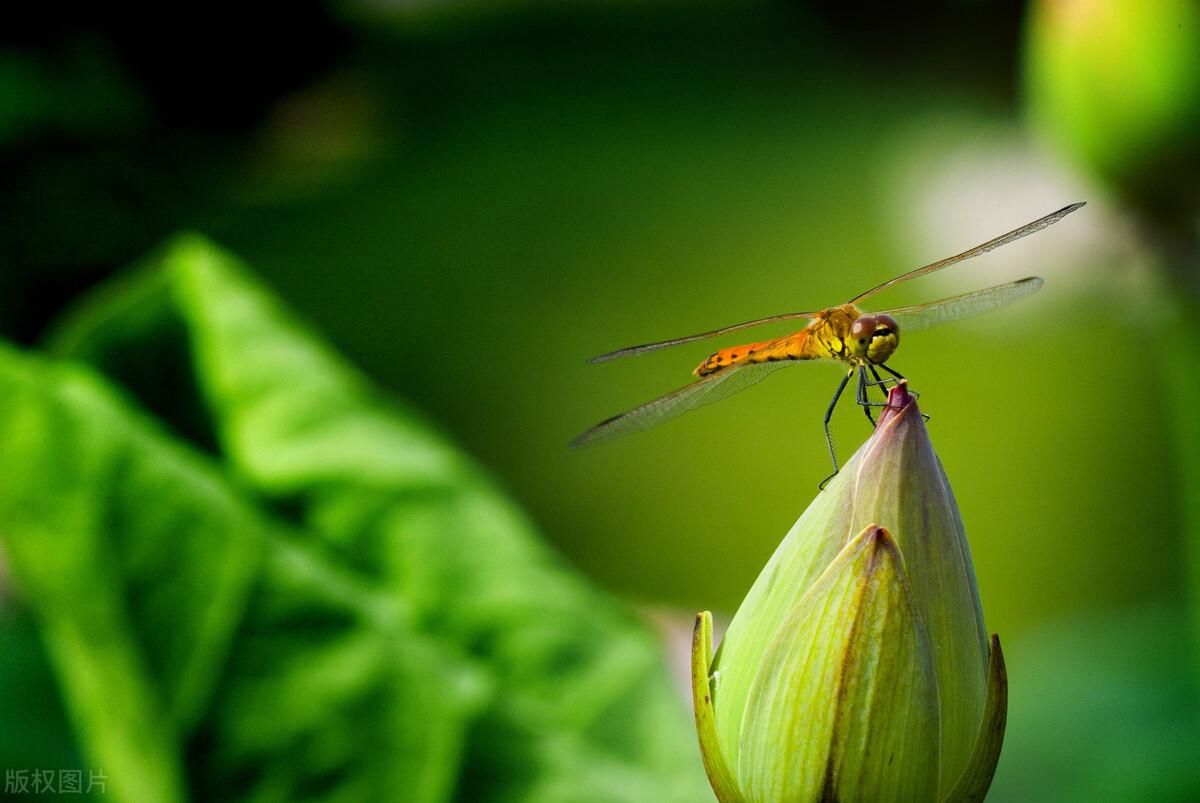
(874, 337)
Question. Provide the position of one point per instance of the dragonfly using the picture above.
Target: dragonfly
(862, 341)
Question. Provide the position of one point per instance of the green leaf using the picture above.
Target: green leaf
(28, 695)
(299, 589)
(73, 462)
(142, 563)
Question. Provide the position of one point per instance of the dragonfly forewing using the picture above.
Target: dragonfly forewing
(982, 248)
(677, 341)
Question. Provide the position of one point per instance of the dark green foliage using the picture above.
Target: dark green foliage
(290, 587)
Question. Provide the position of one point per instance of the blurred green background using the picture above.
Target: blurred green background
(469, 199)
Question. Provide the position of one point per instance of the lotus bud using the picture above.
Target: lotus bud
(858, 667)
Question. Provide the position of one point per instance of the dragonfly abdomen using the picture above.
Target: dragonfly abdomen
(792, 347)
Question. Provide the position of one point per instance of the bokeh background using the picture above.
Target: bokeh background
(469, 199)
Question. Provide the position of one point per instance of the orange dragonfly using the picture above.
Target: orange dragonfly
(862, 341)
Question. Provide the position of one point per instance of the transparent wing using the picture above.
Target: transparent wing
(935, 313)
(714, 387)
(662, 344)
(990, 245)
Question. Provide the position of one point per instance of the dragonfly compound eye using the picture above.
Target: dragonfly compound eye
(885, 336)
(886, 325)
(862, 333)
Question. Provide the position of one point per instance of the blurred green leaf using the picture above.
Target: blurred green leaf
(339, 606)
(36, 734)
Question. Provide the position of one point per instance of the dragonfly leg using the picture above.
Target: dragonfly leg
(880, 381)
(898, 375)
(877, 383)
(829, 435)
(863, 400)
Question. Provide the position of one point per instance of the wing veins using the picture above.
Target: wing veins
(917, 317)
(706, 390)
(982, 248)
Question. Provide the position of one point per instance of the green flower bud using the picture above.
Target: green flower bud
(858, 668)
(1117, 84)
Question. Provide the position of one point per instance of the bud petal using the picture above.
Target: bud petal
(856, 640)
(901, 485)
(973, 786)
(710, 749)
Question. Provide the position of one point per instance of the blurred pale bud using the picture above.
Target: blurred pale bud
(858, 668)
(1117, 84)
